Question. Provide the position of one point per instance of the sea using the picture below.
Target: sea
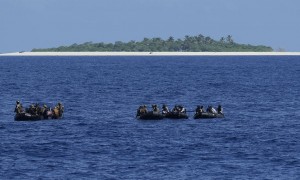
(99, 136)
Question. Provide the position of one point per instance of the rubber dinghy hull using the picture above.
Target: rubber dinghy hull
(172, 115)
(151, 116)
(207, 115)
(29, 117)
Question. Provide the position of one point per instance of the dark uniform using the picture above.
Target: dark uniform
(18, 108)
(199, 110)
(60, 108)
(175, 109)
(165, 109)
(139, 111)
(155, 108)
(220, 109)
(182, 109)
(44, 111)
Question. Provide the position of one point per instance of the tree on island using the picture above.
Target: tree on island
(197, 43)
(229, 39)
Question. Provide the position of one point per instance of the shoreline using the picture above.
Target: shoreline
(151, 54)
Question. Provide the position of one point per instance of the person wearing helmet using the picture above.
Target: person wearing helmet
(139, 111)
(32, 109)
(175, 109)
(55, 113)
(155, 109)
(182, 109)
(210, 109)
(165, 109)
(19, 107)
(44, 111)
(38, 109)
(220, 109)
(60, 108)
(198, 110)
(144, 109)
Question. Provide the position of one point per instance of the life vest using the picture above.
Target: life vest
(55, 112)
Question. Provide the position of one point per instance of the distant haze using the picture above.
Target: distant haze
(28, 24)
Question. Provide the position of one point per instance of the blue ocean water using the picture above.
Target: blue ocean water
(99, 137)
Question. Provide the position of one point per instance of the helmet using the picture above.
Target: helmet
(17, 102)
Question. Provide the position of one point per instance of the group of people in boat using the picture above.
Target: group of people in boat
(179, 111)
(35, 110)
(165, 110)
(210, 109)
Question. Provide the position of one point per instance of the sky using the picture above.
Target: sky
(28, 24)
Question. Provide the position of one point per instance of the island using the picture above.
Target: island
(198, 43)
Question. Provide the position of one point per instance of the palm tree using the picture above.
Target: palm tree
(208, 40)
(229, 39)
(200, 38)
(222, 40)
(171, 39)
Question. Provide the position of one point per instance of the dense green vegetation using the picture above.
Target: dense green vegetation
(198, 43)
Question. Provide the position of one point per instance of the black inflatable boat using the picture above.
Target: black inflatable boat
(207, 115)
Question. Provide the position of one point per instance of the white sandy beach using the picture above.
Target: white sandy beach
(151, 54)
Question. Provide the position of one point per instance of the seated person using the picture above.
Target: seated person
(182, 109)
(32, 110)
(55, 113)
(199, 110)
(155, 109)
(165, 109)
(213, 110)
(38, 109)
(44, 111)
(142, 110)
(176, 109)
(19, 108)
(138, 111)
(210, 109)
(220, 109)
(60, 108)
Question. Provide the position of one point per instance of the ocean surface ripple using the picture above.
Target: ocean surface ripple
(99, 137)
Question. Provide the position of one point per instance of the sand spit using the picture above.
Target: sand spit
(152, 54)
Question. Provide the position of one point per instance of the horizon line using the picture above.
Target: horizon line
(22, 53)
